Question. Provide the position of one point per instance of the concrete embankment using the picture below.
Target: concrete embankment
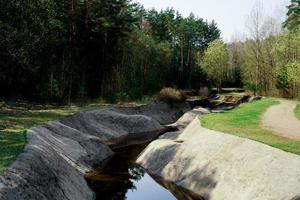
(58, 154)
(218, 166)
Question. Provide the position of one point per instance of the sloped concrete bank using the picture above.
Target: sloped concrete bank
(218, 166)
(59, 153)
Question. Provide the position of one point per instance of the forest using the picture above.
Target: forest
(268, 59)
(60, 51)
(63, 50)
(115, 100)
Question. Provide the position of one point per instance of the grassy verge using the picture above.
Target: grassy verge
(297, 111)
(245, 122)
(15, 119)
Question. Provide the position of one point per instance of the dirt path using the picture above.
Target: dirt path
(282, 120)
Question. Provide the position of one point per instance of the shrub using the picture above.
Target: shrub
(250, 87)
(122, 96)
(171, 96)
(109, 95)
(82, 96)
(135, 93)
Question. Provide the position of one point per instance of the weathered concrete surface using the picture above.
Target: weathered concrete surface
(219, 166)
(189, 116)
(161, 112)
(58, 154)
(53, 165)
(108, 124)
(41, 173)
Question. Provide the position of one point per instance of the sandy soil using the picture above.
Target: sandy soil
(282, 120)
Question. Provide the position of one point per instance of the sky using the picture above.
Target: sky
(230, 15)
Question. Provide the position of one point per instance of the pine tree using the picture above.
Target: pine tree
(293, 15)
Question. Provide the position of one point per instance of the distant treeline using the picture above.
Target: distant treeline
(59, 50)
(269, 59)
(266, 61)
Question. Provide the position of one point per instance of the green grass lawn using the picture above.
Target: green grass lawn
(297, 111)
(245, 122)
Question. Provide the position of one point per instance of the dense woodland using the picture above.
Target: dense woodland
(63, 50)
(67, 49)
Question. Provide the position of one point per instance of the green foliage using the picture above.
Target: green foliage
(271, 62)
(171, 96)
(250, 86)
(216, 61)
(297, 111)
(59, 50)
(82, 95)
(136, 93)
(143, 70)
(235, 78)
(293, 15)
(52, 91)
(23, 43)
(11, 145)
(245, 122)
(288, 71)
(122, 96)
(61, 38)
(109, 95)
(157, 55)
(293, 72)
(54, 47)
(282, 80)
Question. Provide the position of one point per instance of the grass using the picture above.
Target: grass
(235, 94)
(15, 119)
(245, 122)
(13, 126)
(297, 111)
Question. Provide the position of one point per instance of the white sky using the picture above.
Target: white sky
(230, 15)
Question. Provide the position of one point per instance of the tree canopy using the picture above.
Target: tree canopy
(216, 62)
(293, 15)
(62, 50)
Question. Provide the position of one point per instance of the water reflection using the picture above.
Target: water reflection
(123, 179)
(149, 189)
(119, 175)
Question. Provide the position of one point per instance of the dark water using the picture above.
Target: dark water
(123, 179)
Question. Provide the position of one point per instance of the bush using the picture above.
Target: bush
(122, 96)
(82, 96)
(135, 93)
(171, 96)
(109, 95)
(250, 87)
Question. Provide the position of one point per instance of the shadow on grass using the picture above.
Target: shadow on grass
(297, 111)
(11, 145)
(13, 126)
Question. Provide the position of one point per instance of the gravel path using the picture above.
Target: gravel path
(282, 120)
